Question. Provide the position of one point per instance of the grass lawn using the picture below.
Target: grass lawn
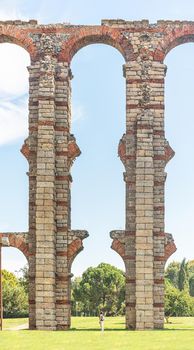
(85, 335)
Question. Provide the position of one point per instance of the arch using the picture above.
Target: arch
(19, 241)
(170, 247)
(20, 37)
(174, 37)
(175, 107)
(118, 244)
(76, 245)
(14, 126)
(97, 254)
(102, 142)
(96, 35)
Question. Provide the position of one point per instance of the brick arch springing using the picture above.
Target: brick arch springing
(19, 241)
(74, 248)
(173, 38)
(10, 34)
(96, 35)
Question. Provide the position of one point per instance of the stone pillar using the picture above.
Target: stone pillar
(144, 221)
(45, 199)
(63, 180)
(150, 162)
(143, 104)
(29, 150)
(68, 242)
(144, 152)
(162, 154)
(124, 241)
(129, 140)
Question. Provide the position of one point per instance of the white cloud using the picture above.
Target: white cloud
(13, 71)
(13, 85)
(12, 259)
(13, 121)
(78, 113)
(13, 92)
(10, 10)
(48, 12)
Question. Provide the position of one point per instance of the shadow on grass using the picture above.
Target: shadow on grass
(96, 330)
(128, 330)
(123, 323)
(108, 330)
(178, 329)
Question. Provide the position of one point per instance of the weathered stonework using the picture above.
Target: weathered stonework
(51, 244)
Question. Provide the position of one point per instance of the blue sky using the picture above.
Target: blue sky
(98, 99)
(90, 12)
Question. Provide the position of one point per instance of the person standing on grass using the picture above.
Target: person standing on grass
(101, 321)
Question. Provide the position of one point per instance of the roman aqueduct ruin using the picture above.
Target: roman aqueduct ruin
(51, 245)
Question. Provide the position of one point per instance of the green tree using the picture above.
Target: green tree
(181, 275)
(101, 287)
(191, 267)
(177, 303)
(183, 281)
(191, 286)
(169, 299)
(171, 273)
(15, 299)
(76, 304)
(24, 279)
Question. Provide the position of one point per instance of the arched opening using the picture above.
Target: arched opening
(179, 126)
(98, 124)
(179, 189)
(13, 130)
(93, 35)
(15, 288)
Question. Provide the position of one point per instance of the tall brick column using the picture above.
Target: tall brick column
(45, 199)
(139, 198)
(145, 206)
(139, 151)
(29, 150)
(124, 241)
(130, 166)
(144, 221)
(150, 176)
(68, 242)
(163, 243)
(147, 84)
(63, 180)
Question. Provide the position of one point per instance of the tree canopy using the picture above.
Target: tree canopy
(179, 289)
(15, 298)
(101, 287)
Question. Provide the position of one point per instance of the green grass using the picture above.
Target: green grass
(85, 335)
